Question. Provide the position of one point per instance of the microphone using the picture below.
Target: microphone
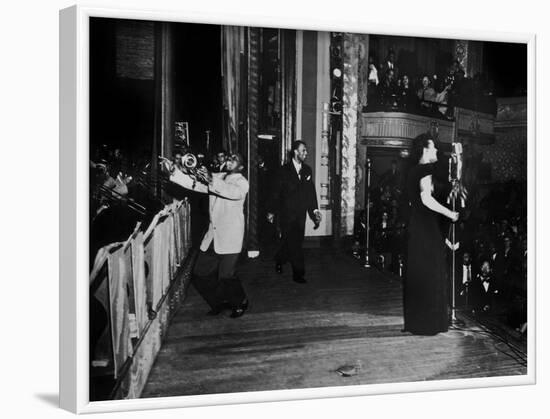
(455, 175)
(456, 159)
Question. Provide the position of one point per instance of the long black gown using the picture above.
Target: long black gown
(425, 285)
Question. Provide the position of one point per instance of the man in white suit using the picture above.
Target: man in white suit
(214, 272)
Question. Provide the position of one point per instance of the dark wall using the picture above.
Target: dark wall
(506, 64)
(121, 104)
(198, 82)
(122, 86)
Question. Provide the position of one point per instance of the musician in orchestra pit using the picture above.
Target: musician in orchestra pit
(214, 274)
(219, 161)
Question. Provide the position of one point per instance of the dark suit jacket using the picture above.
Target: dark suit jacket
(461, 288)
(481, 297)
(292, 196)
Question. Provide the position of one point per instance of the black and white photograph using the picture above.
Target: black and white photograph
(281, 209)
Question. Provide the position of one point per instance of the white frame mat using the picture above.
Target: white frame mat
(74, 167)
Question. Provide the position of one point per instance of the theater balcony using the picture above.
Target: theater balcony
(396, 130)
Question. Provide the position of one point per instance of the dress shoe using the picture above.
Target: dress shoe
(215, 311)
(239, 311)
(278, 268)
(299, 279)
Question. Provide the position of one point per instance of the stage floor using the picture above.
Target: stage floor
(297, 335)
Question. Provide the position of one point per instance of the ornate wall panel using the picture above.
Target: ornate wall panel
(252, 152)
(470, 56)
(508, 155)
(361, 155)
(349, 137)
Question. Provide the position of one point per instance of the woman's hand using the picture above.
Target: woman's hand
(453, 216)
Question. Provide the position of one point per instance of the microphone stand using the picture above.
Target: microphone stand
(367, 221)
(454, 181)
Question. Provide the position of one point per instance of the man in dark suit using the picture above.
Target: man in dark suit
(465, 274)
(484, 289)
(293, 195)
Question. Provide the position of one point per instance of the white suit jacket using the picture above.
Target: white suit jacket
(226, 209)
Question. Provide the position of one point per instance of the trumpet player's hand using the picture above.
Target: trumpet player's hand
(204, 173)
(270, 217)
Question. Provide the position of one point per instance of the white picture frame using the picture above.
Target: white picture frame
(74, 165)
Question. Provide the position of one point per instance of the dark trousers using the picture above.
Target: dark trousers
(290, 250)
(215, 280)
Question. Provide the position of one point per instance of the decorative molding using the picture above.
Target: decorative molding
(461, 53)
(254, 48)
(511, 112)
(397, 129)
(387, 143)
(474, 123)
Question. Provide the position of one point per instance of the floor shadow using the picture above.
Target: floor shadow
(49, 398)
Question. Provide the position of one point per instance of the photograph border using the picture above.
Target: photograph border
(74, 196)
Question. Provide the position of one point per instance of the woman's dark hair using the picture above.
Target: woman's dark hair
(419, 144)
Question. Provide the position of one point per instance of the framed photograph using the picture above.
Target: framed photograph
(255, 210)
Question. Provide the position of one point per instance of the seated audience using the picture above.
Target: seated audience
(484, 289)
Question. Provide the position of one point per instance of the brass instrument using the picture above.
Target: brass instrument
(191, 165)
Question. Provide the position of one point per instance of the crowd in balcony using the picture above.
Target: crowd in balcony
(433, 95)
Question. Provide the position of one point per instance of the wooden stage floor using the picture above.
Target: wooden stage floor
(298, 335)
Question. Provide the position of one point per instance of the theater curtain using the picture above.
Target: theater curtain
(233, 67)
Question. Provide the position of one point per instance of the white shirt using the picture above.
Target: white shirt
(373, 75)
(466, 273)
(297, 166)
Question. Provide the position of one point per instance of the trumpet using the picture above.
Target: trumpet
(190, 164)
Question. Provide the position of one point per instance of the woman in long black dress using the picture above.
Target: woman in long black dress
(425, 285)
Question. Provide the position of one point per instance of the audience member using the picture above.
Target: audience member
(426, 94)
(484, 289)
